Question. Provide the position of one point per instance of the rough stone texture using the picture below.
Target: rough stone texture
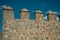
(26, 29)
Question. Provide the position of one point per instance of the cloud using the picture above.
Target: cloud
(45, 17)
(59, 13)
(2, 6)
(57, 18)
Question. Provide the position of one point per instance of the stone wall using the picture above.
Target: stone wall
(26, 29)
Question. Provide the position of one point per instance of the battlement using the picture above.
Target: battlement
(25, 14)
(26, 29)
